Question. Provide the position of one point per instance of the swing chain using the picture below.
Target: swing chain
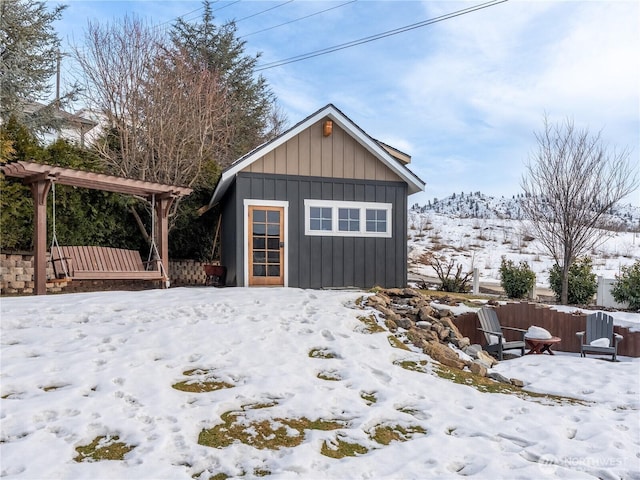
(54, 236)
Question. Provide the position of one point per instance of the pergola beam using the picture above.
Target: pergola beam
(40, 177)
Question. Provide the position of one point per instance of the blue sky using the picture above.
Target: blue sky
(463, 97)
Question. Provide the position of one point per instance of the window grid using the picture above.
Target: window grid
(320, 219)
(349, 219)
(345, 218)
(376, 220)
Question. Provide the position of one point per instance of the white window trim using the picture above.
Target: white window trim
(335, 205)
(266, 203)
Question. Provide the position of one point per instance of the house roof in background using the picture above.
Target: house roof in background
(375, 147)
(71, 119)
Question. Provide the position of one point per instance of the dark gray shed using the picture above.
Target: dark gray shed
(322, 205)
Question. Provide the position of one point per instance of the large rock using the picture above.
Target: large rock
(444, 355)
(425, 313)
(411, 292)
(516, 382)
(404, 322)
(448, 322)
(472, 350)
(388, 313)
(419, 302)
(486, 358)
(379, 299)
(444, 334)
(443, 312)
(498, 377)
(478, 368)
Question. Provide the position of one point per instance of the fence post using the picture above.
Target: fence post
(532, 291)
(476, 281)
(600, 291)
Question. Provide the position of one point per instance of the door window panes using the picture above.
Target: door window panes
(266, 229)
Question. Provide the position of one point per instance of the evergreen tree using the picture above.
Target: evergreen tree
(254, 114)
(84, 216)
(29, 48)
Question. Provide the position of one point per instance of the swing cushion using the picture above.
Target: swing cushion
(101, 263)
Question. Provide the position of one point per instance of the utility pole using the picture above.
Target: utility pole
(58, 80)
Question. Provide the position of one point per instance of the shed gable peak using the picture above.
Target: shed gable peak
(322, 143)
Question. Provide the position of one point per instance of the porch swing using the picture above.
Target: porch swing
(91, 262)
(104, 263)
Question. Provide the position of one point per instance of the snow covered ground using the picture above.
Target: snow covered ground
(79, 366)
(481, 243)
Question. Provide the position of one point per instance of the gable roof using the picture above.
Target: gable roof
(332, 113)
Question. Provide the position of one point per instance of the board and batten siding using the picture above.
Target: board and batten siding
(319, 261)
(309, 153)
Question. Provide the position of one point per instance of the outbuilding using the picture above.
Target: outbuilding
(321, 205)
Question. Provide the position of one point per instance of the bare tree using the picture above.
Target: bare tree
(167, 116)
(571, 182)
(186, 128)
(116, 60)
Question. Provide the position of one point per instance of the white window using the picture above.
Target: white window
(376, 220)
(320, 219)
(347, 219)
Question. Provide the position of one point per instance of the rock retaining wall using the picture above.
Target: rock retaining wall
(16, 277)
(432, 329)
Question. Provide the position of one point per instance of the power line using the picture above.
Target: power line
(298, 19)
(378, 36)
(263, 11)
(183, 17)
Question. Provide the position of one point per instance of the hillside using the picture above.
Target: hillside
(481, 242)
(478, 205)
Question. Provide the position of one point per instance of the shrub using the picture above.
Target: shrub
(516, 280)
(627, 286)
(582, 281)
(456, 283)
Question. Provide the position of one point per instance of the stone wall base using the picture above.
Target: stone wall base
(16, 277)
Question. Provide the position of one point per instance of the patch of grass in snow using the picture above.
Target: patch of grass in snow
(204, 382)
(217, 476)
(385, 434)
(322, 353)
(339, 448)
(370, 324)
(487, 385)
(50, 388)
(272, 434)
(330, 376)
(369, 397)
(11, 395)
(414, 412)
(103, 448)
(413, 365)
(397, 343)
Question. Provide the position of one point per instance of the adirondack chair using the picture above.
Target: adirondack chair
(494, 336)
(599, 326)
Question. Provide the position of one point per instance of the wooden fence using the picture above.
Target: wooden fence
(560, 324)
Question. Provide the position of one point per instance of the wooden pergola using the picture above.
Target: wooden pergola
(40, 177)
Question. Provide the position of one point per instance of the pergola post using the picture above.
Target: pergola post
(163, 204)
(40, 190)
